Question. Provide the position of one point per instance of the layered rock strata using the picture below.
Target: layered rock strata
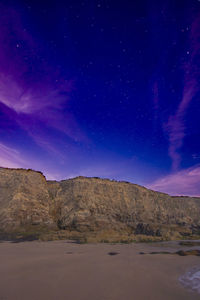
(93, 204)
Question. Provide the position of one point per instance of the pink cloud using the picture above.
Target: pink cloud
(185, 182)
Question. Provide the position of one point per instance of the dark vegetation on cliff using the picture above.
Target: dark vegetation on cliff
(91, 209)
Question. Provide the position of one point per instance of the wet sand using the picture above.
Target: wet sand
(65, 270)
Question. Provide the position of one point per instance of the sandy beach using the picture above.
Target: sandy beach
(66, 270)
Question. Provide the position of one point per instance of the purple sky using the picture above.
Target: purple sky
(108, 90)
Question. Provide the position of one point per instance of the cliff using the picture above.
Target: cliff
(89, 206)
(24, 198)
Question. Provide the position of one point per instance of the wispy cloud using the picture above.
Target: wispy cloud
(176, 123)
(185, 182)
(35, 92)
(11, 158)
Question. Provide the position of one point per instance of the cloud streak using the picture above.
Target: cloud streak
(34, 91)
(176, 124)
(11, 158)
(184, 182)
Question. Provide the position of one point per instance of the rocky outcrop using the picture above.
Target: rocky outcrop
(24, 199)
(93, 204)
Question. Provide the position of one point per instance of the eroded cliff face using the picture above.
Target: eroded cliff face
(24, 199)
(92, 205)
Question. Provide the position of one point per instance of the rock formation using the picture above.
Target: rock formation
(24, 198)
(91, 205)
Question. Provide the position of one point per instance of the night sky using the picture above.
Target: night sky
(102, 88)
